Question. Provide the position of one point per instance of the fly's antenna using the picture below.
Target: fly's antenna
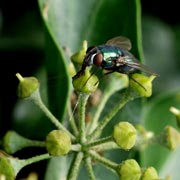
(138, 83)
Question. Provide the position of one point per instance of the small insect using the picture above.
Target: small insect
(114, 56)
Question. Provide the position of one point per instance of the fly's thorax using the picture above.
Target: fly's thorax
(110, 52)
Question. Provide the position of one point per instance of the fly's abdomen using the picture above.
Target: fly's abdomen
(125, 69)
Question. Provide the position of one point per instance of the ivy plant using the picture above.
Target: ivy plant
(102, 126)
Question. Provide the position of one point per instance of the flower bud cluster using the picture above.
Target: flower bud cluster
(130, 169)
(125, 135)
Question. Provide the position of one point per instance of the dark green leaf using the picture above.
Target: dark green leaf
(156, 117)
(58, 78)
(70, 22)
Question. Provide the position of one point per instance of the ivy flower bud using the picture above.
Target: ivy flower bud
(58, 143)
(149, 173)
(142, 84)
(172, 137)
(27, 86)
(6, 169)
(176, 112)
(9, 166)
(21, 142)
(129, 169)
(86, 82)
(71, 69)
(125, 135)
(79, 56)
(8, 142)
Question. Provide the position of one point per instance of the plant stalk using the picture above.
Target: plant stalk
(82, 100)
(74, 170)
(126, 97)
(89, 168)
(36, 98)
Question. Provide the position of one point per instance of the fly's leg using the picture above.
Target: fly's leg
(138, 83)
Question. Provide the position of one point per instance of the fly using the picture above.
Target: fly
(114, 56)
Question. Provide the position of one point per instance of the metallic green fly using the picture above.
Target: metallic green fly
(114, 56)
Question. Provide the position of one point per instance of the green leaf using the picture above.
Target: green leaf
(70, 22)
(58, 78)
(156, 117)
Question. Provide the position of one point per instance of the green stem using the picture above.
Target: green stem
(19, 164)
(100, 141)
(38, 101)
(76, 147)
(114, 83)
(126, 97)
(94, 122)
(104, 161)
(72, 120)
(37, 159)
(81, 107)
(106, 146)
(74, 170)
(37, 143)
(89, 168)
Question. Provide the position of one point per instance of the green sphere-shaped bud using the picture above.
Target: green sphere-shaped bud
(142, 84)
(125, 135)
(27, 86)
(6, 169)
(150, 173)
(172, 138)
(176, 112)
(8, 142)
(129, 170)
(86, 82)
(58, 143)
(13, 142)
(9, 166)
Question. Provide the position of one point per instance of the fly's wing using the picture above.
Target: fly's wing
(121, 42)
(133, 62)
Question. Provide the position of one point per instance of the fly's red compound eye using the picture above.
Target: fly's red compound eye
(97, 60)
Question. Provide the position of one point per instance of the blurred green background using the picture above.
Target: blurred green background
(22, 50)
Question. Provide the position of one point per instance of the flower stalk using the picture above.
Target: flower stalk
(72, 120)
(36, 98)
(88, 164)
(114, 84)
(104, 161)
(35, 159)
(75, 168)
(126, 97)
(83, 97)
(100, 141)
